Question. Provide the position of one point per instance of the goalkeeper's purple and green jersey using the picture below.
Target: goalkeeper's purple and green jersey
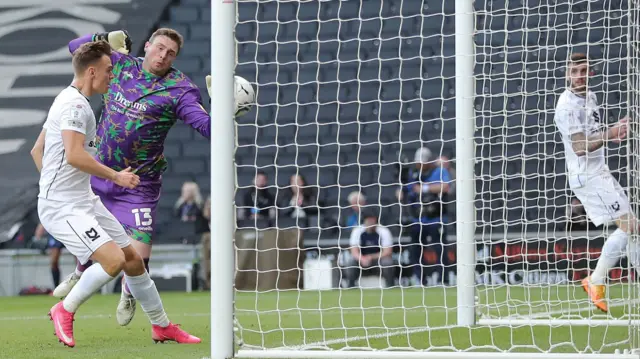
(139, 110)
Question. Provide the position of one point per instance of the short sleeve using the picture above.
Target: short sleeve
(354, 240)
(386, 239)
(74, 117)
(568, 121)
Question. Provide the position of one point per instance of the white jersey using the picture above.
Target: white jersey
(575, 114)
(386, 239)
(58, 180)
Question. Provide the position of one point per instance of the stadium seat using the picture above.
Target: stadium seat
(184, 14)
(199, 31)
(197, 150)
(188, 64)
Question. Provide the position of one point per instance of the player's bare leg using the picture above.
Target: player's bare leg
(144, 290)
(127, 305)
(110, 260)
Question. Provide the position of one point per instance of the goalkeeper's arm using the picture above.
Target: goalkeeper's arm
(119, 40)
(189, 109)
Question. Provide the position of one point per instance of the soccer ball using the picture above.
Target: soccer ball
(245, 96)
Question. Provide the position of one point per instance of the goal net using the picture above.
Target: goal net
(348, 92)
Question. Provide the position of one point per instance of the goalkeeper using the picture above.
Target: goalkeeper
(145, 99)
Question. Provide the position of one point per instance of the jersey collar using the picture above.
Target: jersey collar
(77, 89)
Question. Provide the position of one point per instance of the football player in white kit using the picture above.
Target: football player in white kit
(73, 214)
(578, 119)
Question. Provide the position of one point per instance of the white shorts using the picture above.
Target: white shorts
(82, 227)
(603, 198)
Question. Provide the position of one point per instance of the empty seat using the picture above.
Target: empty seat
(197, 149)
(184, 14)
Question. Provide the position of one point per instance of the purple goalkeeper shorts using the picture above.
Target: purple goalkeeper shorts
(135, 210)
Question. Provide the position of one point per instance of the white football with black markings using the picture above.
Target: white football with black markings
(245, 96)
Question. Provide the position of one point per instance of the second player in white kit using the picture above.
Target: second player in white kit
(589, 177)
(578, 118)
(74, 215)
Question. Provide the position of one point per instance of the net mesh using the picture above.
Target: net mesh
(347, 92)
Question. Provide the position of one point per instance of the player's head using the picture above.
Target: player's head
(423, 158)
(161, 50)
(356, 199)
(370, 220)
(92, 66)
(578, 72)
(260, 181)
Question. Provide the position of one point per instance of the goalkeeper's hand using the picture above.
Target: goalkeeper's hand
(208, 81)
(119, 40)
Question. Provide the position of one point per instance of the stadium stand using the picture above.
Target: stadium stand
(37, 67)
(424, 86)
(428, 86)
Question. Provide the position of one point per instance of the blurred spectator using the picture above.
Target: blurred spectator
(189, 206)
(258, 201)
(300, 200)
(445, 162)
(577, 216)
(356, 201)
(206, 243)
(55, 249)
(371, 249)
(424, 192)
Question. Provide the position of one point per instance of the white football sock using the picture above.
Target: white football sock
(634, 254)
(145, 292)
(614, 248)
(92, 279)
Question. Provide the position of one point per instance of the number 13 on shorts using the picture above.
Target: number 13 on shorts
(142, 216)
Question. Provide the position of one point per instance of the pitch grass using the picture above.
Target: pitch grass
(351, 319)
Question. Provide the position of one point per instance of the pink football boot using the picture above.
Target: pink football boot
(172, 333)
(63, 324)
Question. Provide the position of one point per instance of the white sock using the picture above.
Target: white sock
(92, 279)
(145, 292)
(634, 255)
(614, 248)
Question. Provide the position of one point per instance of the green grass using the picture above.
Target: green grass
(425, 319)
(381, 319)
(28, 333)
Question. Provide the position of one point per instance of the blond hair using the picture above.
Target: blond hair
(194, 189)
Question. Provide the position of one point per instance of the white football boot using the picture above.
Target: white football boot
(66, 285)
(126, 307)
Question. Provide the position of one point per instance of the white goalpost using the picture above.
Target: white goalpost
(347, 91)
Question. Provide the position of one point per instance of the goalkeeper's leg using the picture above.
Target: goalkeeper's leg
(63, 289)
(126, 309)
(144, 290)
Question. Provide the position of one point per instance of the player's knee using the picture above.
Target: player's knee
(134, 265)
(114, 265)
